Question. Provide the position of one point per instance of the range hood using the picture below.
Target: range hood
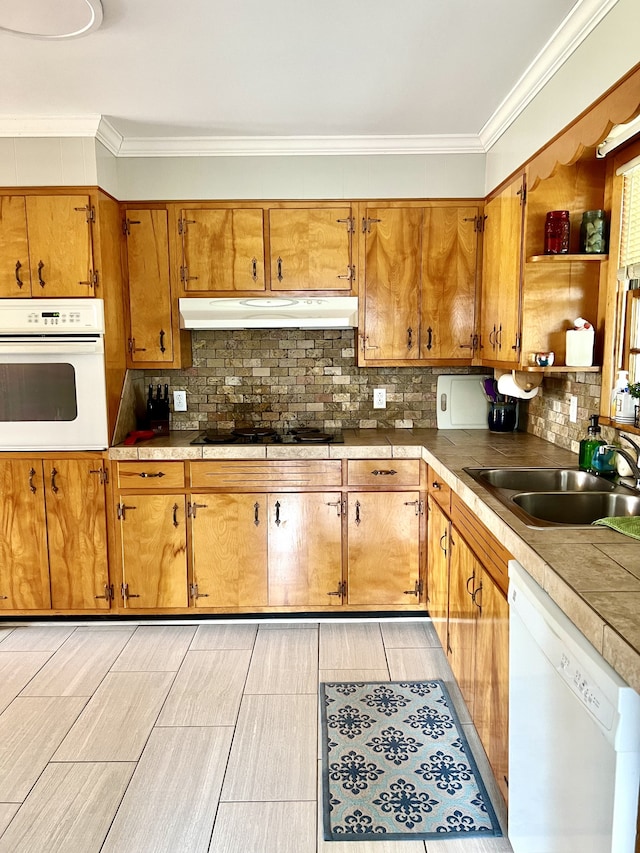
(330, 312)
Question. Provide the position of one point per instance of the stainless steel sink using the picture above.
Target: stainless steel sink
(557, 497)
(541, 479)
(576, 508)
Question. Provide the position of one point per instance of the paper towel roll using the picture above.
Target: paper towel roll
(508, 385)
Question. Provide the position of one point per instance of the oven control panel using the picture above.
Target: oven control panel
(32, 316)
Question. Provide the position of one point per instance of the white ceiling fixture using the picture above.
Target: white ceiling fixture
(43, 19)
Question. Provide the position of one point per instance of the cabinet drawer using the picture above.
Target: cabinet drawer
(439, 491)
(243, 474)
(489, 551)
(383, 472)
(150, 475)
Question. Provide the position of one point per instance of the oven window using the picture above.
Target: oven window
(37, 392)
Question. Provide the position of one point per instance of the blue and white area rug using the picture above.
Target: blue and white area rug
(396, 765)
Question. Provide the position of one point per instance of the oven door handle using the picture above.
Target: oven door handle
(51, 347)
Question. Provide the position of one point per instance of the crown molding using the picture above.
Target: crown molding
(109, 136)
(277, 146)
(47, 126)
(581, 21)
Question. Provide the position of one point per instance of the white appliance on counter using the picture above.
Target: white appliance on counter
(574, 734)
(52, 375)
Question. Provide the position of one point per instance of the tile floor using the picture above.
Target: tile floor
(173, 738)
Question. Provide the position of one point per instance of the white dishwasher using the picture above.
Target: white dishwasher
(574, 734)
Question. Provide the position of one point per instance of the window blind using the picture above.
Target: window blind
(629, 265)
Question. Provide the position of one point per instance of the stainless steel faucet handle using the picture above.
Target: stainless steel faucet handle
(633, 444)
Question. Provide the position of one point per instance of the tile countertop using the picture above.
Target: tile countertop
(593, 573)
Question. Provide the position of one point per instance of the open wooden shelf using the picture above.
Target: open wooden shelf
(560, 368)
(564, 258)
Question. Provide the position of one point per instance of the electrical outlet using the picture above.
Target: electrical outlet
(379, 398)
(179, 401)
(573, 409)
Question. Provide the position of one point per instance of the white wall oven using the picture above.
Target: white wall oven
(52, 375)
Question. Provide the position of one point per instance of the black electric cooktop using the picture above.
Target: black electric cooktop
(266, 435)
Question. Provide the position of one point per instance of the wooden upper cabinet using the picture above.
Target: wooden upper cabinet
(501, 275)
(311, 248)
(222, 250)
(60, 245)
(393, 257)
(147, 253)
(15, 272)
(448, 286)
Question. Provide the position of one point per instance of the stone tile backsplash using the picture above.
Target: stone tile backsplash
(283, 378)
(287, 377)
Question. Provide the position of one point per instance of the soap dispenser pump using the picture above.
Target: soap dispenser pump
(589, 449)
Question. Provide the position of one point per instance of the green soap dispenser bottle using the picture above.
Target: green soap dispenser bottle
(589, 446)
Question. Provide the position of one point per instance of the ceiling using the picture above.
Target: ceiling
(441, 74)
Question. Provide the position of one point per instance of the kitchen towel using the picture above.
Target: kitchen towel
(627, 524)
(397, 765)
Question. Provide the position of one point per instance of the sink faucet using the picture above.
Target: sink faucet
(628, 458)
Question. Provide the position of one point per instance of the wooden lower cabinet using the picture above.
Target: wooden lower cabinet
(24, 569)
(305, 549)
(229, 550)
(438, 540)
(383, 548)
(491, 706)
(77, 534)
(153, 539)
(463, 638)
(53, 535)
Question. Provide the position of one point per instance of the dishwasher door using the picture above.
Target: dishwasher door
(574, 735)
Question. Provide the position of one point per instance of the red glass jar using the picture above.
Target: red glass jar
(556, 232)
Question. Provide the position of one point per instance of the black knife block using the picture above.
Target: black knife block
(158, 416)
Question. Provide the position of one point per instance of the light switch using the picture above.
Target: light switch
(573, 409)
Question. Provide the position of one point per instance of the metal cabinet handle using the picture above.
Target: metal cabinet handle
(499, 337)
(162, 346)
(277, 513)
(54, 488)
(256, 513)
(409, 338)
(492, 337)
(146, 475)
(19, 281)
(474, 598)
(279, 262)
(175, 515)
(254, 269)
(357, 519)
(32, 474)
(429, 337)
(443, 548)
(384, 472)
(436, 486)
(40, 279)
(468, 582)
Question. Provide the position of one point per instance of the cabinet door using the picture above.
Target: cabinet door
(393, 249)
(15, 274)
(305, 549)
(463, 573)
(449, 253)
(154, 551)
(438, 544)
(60, 245)
(229, 547)
(310, 249)
(501, 273)
(383, 547)
(76, 526)
(149, 287)
(24, 570)
(491, 705)
(223, 250)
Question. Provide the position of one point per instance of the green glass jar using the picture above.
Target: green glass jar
(593, 232)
